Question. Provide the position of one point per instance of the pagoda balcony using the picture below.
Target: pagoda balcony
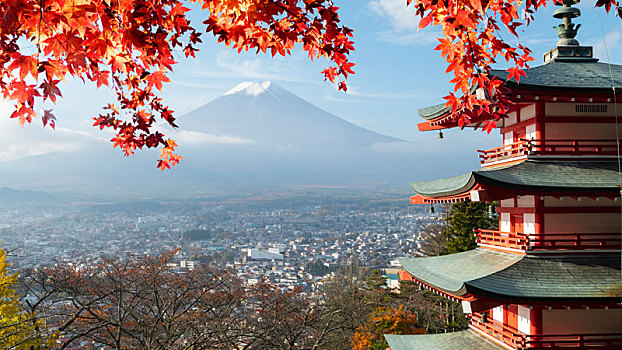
(513, 241)
(512, 337)
(552, 148)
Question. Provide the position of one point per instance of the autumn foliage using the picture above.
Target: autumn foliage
(385, 320)
(19, 329)
(472, 42)
(129, 45)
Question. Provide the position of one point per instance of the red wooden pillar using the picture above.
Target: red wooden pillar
(512, 316)
(535, 322)
(539, 219)
(535, 318)
(540, 124)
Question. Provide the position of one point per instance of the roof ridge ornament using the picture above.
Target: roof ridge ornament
(568, 48)
(567, 30)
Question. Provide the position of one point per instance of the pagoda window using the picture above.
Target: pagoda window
(511, 119)
(508, 138)
(529, 223)
(579, 109)
(507, 202)
(530, 132)
(528, 112)
(525, 201)
(497, 314)
(523, 320)
(504, 224)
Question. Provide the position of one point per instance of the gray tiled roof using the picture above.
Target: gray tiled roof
(463, 340)
(559, 76)
(538, 175)
(449, 272)
(433, 111)
(555, 175)
(555, 277)
(444, 187)
(568, 75)
(522, 277)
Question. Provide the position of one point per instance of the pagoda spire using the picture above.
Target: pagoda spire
(568, 48)
(567, 30)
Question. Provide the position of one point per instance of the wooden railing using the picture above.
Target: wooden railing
(570, 241)
(574, 341)
(560, 147)
(501, 332)
(497, 154)
(514, 338)
(511, 240)
(568, 147)
(549, 241)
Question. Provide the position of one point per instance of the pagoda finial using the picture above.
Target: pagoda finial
(568, 48)
(567, 30)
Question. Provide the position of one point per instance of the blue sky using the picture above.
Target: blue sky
(397, 72)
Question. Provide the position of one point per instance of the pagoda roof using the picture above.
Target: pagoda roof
(505, 276)
(432, 112)
(537, 175)
(465, 340)
(449, 273)
(558, 76)
(537, 277)
(561, 76)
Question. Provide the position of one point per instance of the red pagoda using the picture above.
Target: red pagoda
(550, 277)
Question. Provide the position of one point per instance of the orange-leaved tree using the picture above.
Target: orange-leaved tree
(128, 45)
(471, 42)
(385, 320)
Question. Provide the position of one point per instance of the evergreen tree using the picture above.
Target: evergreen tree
(462, 219)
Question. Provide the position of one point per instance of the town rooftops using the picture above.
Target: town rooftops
(509, 277)
(554, 176)
(464, 340)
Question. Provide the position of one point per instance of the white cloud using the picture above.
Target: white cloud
(401, 17)
(403, 21)
(612, 41)
(355, 91)
(198, 138)
(34, 139)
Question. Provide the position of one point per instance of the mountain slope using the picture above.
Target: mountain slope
(266, 114)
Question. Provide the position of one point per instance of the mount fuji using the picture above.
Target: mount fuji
(263, 114)
(256, 137)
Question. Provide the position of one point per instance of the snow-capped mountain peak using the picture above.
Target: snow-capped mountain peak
(252, 88)
(272, 116)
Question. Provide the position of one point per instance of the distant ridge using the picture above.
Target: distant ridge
(10, 196)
